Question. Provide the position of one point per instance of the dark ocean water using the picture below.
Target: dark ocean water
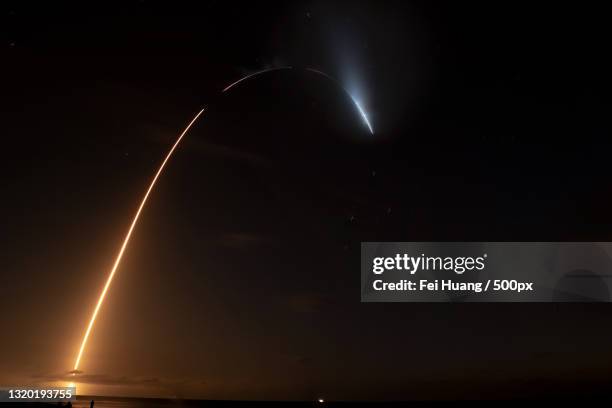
(119, 402)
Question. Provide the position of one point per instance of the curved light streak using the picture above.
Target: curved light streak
(126, 240)
(363, 115)
(263, 71)
(362, 112)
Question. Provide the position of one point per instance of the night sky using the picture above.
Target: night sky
(491, 123)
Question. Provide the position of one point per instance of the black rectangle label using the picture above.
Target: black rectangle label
(486, 271)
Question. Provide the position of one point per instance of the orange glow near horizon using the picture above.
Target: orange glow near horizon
(126, 241)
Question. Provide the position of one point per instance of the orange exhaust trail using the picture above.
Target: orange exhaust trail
(126, 240)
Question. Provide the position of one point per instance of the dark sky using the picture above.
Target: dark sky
(492, 123)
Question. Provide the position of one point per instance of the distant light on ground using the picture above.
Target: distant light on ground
(321, 400)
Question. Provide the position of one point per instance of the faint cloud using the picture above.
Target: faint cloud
(98, 379)
(303, 360)
(243, 240)
(156, 386)
(226, 152)
(198, 145)
(308, 302)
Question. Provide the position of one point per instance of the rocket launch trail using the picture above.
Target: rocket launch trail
(361, 111)
(254, 74)
(143, 202)
(126, 240)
